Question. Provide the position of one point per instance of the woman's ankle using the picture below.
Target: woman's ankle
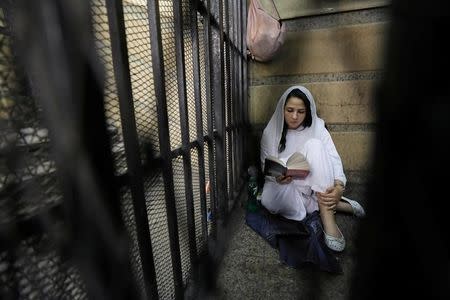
(333, 231)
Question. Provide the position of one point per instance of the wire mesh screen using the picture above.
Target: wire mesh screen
(37, 265)
(37, 271)
(33, 266)
(139, 57)
(200, 217)
(210, 205)
(130, 222)
(27, 180)
(156, 211)
(189, 67)
(170, 69)
(203, 71)
(228, 156)
(180, 199)
(111, 99)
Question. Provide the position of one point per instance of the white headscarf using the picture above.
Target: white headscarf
(272, 133)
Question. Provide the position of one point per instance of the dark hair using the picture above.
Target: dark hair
(308, 118)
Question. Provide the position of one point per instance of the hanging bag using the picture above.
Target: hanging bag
(265, 32)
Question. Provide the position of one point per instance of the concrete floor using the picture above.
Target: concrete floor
(251, 268)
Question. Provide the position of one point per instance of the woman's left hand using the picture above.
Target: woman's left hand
(330, 197)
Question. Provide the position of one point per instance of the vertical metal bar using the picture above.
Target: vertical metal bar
(210, 120)
(181, 80)
(122, 76)
(243, 61)
(160, 92)
(219, 112)
(238, 106)
(198, 113)
(235, 92)
(243, 79)
(229, 133)
(236, 89)
(237, 113)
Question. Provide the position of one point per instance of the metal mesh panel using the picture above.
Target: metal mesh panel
(111, 100)
(28, 191)
(32, 269)
(202, 54)
(130, 223)
(159, 231)
(28, 182)
(209, 204)
(37, 271)
(226, 66)
(228, 137)
(201, 243)
(141, 76)
(170, 68)
(140, 60)
(180, 200)
(27, 170)
(189, 69)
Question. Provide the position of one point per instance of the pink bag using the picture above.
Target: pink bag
(265, 33)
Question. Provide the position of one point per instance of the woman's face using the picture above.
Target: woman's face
(294, 112)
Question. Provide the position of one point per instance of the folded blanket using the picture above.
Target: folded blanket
(299, 242)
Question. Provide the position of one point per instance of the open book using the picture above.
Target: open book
(296, 166)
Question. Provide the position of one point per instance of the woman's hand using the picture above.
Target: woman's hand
(283, 179)
(331, 197)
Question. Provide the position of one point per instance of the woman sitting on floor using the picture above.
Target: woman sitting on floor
(295, 127)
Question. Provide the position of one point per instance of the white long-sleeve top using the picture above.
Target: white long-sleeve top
(296, 142)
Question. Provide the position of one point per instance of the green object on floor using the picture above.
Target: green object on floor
(252, 192)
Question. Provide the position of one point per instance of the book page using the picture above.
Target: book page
(297, 161)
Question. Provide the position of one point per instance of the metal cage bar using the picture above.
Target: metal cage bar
(158, 72)
(219, 112)
(217, 90)
(210, 117)
(199, 117)
(181, 75)
(122, 74)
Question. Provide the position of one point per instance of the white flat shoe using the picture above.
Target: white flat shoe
(358, 210)
(335, 243)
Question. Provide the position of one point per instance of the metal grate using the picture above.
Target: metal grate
(189, 69)
(27, 180)
(180, 199)
(37, 264)
(156, 211)
(34, 268)
(111, 100)
(130, 222)
(203, 71)
(199, 216)
(170, 69)
(139, 58)
(37, 271)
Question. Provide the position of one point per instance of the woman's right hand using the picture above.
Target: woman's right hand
(283, 179)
